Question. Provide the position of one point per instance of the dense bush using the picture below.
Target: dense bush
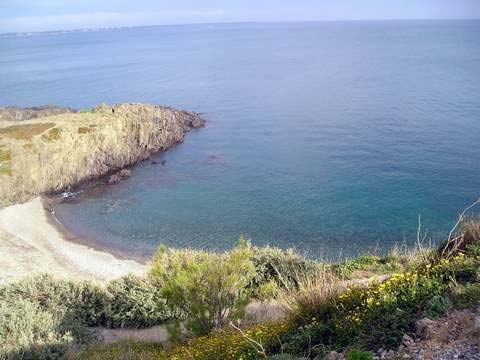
(136, 302)
(211, 289)
(43, 314)
(437, 306)
(465, 296)
(80, 301)
(27, 331)
(280, 266)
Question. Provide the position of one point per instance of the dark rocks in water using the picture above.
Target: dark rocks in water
(14, 113)
(125, 173)
(154, 162)
(113, 179)
(163, 162)
(119, 176)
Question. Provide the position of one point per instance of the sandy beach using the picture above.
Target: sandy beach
(31, 243)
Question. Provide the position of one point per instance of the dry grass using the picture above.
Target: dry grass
(25, 131)
(308, 291)
(471, 230)
(408, 257)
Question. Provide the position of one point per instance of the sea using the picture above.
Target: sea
(333, 138)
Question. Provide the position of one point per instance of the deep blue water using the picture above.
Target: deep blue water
(328, 137)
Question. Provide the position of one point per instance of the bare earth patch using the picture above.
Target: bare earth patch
(456, 336)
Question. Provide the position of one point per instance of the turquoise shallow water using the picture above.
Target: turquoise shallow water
(329, 137)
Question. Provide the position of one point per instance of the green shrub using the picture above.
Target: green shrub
(211, 289)
(57, 313)
(358, 355)
(465, 296)
(28, 331)
(438, 306)
(319, 330)
(42, 316)
(80, 301)
(136, 302)
(391, 308)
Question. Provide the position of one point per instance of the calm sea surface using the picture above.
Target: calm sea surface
(328, 137)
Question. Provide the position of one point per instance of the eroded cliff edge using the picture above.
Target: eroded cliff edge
(53, 151)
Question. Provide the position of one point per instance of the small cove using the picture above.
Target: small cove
(328, 137)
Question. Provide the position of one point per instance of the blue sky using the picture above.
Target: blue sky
(42, 15)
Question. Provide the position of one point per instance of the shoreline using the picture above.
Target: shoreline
(68, 235)
(33, 241)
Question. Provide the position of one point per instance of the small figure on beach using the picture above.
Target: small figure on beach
(51, 209)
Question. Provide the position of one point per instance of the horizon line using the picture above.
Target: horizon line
(106, 28)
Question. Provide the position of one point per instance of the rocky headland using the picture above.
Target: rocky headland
(50, 149)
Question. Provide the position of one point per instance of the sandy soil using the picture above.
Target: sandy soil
(30, 243)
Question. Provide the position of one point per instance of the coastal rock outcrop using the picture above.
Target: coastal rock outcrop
(119, 176)
(55, 152)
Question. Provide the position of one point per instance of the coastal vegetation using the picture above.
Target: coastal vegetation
(210, 289)
(356, 306)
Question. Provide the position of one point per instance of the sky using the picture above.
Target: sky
(47, 15)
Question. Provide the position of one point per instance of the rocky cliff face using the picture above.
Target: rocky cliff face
(55, 152)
